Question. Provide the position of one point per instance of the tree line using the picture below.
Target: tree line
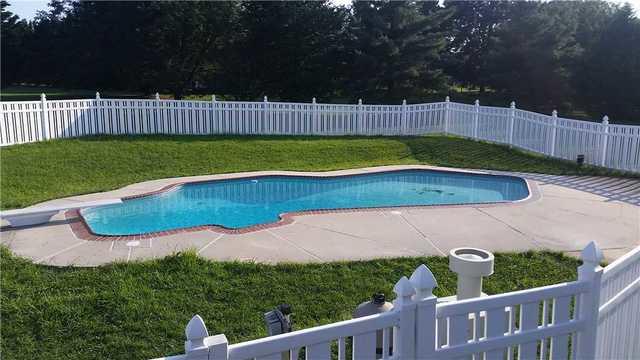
(546, 55)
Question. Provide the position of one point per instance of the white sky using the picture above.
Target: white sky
(27, 8)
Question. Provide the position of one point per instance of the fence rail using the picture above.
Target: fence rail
(602, 144)
(561, 321)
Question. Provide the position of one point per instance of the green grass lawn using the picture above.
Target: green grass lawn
(139, 310)
(37, 172)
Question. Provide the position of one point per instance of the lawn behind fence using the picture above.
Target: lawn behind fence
(139, 310)
(32, 173)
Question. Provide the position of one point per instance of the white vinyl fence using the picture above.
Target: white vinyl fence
(619, 315)
(562, 321)
(602, 144)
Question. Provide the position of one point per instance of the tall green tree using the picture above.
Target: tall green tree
(110, 44)
(472, 26)
(13, 38)
(609, 76)
(396, 49)
(286, 50)
(186, 42)
(531, 56)
(50, 61)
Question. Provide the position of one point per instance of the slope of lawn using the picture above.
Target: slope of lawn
(37, 172)
(139, 310)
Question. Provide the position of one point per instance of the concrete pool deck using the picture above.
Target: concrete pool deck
(568, 212)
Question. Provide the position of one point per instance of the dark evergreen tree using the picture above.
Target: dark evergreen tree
(396, 49)
(609, 76)
(532, 54)
(473, 24)
(50, 61)
(14, 37)
(286, 50)
(110, 42)
(186, 43)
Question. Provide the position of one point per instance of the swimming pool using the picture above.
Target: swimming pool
(246, 202)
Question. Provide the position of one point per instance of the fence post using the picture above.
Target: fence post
(476, 117)
(404, 335)
(589, 302)
(214, 116)
(44, 117)
(403, 118)
(424, 282)
(446, 115)
(159, 120)
(554, 130)
(605, 139)
(201, 346)
(359, 117)
(512, 119)
(265, 113)
(99, 115)
(314, 116)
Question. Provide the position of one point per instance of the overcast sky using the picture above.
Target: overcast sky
(27, 8)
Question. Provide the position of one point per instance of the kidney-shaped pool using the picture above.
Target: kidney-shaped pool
(245, 202)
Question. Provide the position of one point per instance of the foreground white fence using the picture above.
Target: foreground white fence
(619, 313)
(602, 144)
(553, 322)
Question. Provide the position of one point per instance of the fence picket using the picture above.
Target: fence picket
(528, 321)
(560, 344)
(495, 328)
(318, 351)
(364, 346)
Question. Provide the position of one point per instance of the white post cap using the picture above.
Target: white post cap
(265, 98)
(195, 332)
(477, 102)
(554, 113)
(423, 281)
(313, 101)
(446, 99)
(605, 120)
(404, 291)
(591, 256)
(43, 97)
(157, 96)
(512, 105)
(404, 101)
(359, 101)
(213, 97)
(97, 95)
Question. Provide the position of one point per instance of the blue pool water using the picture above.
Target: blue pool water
(250, 201)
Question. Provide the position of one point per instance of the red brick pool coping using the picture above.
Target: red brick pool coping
(81, 229)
